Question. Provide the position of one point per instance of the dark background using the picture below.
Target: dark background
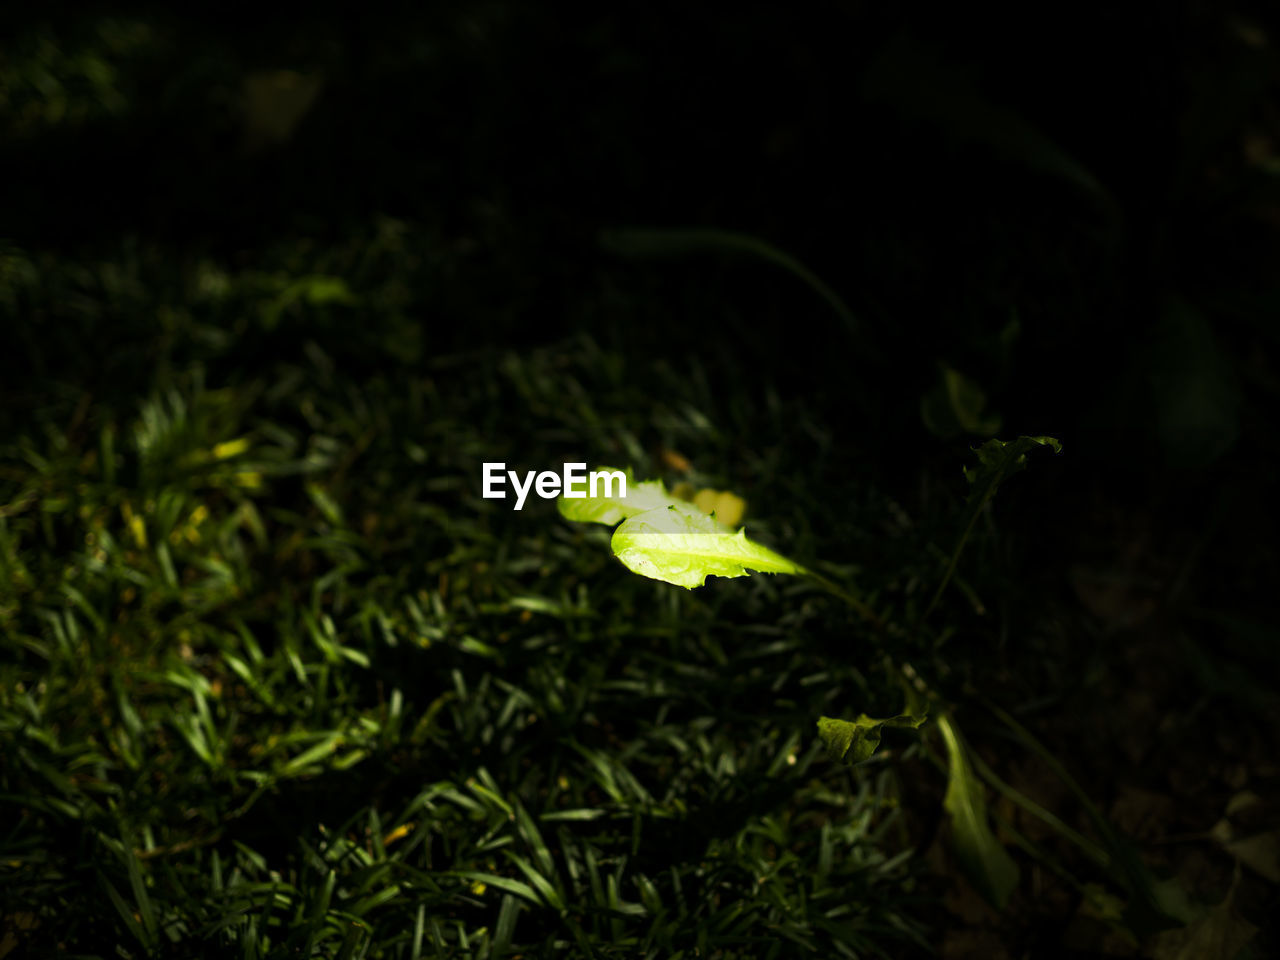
(945, 172)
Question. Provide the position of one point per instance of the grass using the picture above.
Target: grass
(276, 681)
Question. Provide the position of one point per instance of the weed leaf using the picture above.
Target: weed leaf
(998, 460)
(641, 497)
(680, 544)
(854, 741)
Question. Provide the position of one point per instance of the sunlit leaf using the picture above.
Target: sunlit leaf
(680, 544)
(641, 497)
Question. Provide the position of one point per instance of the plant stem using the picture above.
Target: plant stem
(964, 538)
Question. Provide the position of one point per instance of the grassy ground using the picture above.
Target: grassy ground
(277, 678)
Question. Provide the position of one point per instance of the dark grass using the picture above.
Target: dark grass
(277, 679)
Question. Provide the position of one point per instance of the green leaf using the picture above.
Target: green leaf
(999, 459)
(854, 741)
(641, 497)
(985, 862)
(680, 544)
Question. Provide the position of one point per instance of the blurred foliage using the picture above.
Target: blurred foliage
(50, 79)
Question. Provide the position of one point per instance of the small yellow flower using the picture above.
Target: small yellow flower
(399, 833)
